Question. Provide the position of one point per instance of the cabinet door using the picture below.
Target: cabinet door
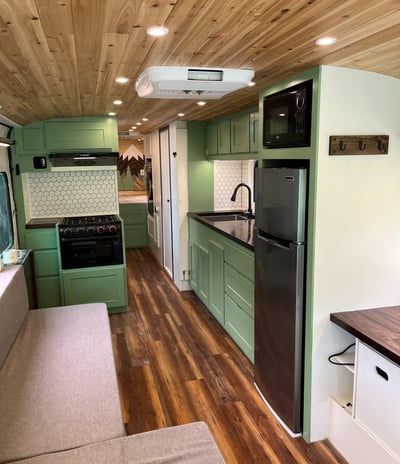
(212, 138)
(216, 272)
(377, 394)
(41, 239)
(134, 216)
(254, 132)
(106, 284)
(240, 134)
(48, 291)
(203, 275)
(194, 267)
(29, 140)
(224, 137)
(81, 134)
(45, 263)
(135, 235)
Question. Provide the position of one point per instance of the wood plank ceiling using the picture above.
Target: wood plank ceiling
(60, 58)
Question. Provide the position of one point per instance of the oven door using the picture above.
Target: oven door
(90, 251)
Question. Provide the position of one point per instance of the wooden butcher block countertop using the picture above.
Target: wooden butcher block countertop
(378, 327)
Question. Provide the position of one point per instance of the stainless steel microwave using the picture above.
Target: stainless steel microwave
(287, 117)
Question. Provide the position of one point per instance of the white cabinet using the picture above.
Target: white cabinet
(377, 396)
(364, 420)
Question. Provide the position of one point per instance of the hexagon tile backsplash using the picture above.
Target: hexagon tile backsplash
(227, 175)
(77, 193)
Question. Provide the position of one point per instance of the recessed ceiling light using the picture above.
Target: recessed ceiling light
(133, 127)
(251, 84)
(138, 123)
(326, 41)
(122, 80)
(181, 115)
(201, 103)
(118, 102)
(112, 114)
(145, 119)
(157, 31)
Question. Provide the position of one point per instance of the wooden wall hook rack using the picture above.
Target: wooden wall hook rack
(358, 144)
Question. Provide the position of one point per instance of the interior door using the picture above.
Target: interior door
(166, 202)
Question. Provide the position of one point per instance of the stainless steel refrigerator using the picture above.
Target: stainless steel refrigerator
(281, 201)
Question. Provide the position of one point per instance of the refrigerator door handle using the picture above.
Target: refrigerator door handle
(273, 242)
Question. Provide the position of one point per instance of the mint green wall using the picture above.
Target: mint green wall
(201, 171)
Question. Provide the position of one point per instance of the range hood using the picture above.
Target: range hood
(83, 161)
(180, 82)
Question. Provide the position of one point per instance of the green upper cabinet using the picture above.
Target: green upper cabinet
(212, 138)
(240, 134)
(235, 137)
(29, 139)
(67, 134)
(254, 132)
(85, 134)
(224, 137)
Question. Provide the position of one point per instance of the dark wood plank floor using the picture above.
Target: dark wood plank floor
(176, 365)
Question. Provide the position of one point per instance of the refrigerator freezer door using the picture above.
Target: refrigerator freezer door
(279, 328)
(281, 202)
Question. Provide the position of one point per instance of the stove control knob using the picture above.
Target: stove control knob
(90, 230)
(67, 232)
(100, 230)
(79, 231)
(112, 229)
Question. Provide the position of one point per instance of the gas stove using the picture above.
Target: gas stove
(86, 226)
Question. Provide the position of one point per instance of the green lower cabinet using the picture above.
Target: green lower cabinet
(134, 216)
(203, 280)
(106, 284)
(43, 243)
(216, 280)
(48, 291)
(222, 276)
(240, 326)
(240, 289)
(194, 267)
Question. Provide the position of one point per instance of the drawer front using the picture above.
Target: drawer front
(240, 327)
(134, 218)
(240, 258)
(135, 235)
(240, 289)
(45, 263)
(41, 239)
(377, 396)
(133, 213)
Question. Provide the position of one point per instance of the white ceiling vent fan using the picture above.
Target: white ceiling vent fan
(180, 82)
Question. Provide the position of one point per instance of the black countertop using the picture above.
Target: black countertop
(241, 231)
(42, 223)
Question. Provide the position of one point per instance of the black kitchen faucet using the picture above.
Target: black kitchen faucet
(247, 212)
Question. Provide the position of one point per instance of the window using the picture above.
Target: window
(6, 228)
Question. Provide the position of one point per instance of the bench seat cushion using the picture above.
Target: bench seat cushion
(13, 307)
(58, 385)
(183, 444)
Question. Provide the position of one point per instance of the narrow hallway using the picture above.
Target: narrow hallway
(176, 364)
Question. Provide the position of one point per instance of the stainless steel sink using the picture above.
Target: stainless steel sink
(224, 217)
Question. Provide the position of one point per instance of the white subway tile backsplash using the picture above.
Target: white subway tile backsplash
(77, 193)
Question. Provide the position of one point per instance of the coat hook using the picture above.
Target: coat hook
(362, 145)
(381, 145)
(342, 145)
